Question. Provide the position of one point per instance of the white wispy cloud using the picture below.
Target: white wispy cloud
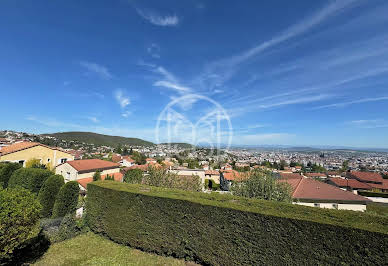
(170, 85)
(372, 123)
(307, 99)
(126, 114)
(93, 119)
(166, 74)
(154, 50)
(52, 123)
(121, 98)
(346, 103)
(228, 66)
(157, 19)
(102, 71)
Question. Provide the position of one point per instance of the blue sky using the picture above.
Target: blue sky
(296, 73)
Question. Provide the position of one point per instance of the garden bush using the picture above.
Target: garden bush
(67, 200)
(133, 176)
(29, 178)
(19, 216)
(6, 170)
(48, 194)
(219, 229)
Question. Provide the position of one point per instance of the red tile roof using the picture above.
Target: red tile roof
(231, 175)
(352, 183)
(289, 175)
(22, 146)
(85, 181)
(91, 165)
(211, 172)
(315, 174)
(116, 158)
(366, 176)
(310, 189)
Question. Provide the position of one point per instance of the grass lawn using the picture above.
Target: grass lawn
(92, 249)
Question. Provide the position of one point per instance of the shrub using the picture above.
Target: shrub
(97, 176)
(208, 184)
(215, 186)
(239, 231)
(29, 178)
(68, 228)
(48, 194)
(262, 185)
(67, 200)
(35, 163)
(6, 170)
(162, 178)
(133, 176)
(19, 216)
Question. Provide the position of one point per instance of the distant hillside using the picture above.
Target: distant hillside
(179, 145)
(99, 139)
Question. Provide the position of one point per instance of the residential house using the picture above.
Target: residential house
(373, 179)
(186, 172)
(150, 160)
(21, 152)
(227, 177)
(333, 174)
(352, 185)
(83, 182)
(314, 193)
(79, 169)
(316, 175)
(213, 175)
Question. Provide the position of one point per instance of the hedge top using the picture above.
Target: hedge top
(343, 218)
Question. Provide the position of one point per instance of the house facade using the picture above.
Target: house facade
(23, 151)
(79, 169)
(313, 193)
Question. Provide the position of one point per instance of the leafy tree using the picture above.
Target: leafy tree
(19, 217)
(162, 178)
(133, 176)
(130, 151)
(48, 194)
(282, 164)
(125, 151)
(262, 185)
(139, 157)
(345, 166)
(6, 170)
(67, 200)
(29, 178)
(97, 176)
(35, 163)
(118, 149)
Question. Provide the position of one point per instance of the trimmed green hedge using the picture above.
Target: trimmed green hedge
(221, 229)
(6, 170)
(48, 194)
(373, 194)
(67, 200)
(29, 178)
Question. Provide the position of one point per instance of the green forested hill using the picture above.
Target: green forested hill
(100, 139)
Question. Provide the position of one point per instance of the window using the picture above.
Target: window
(63, 160)
(68, 175)
(21, 162)
(48, 160)
(317, 205)
(335, 206)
